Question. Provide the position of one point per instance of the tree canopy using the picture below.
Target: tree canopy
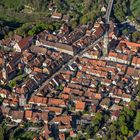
(137, 121)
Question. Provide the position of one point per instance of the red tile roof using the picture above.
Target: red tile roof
(80, 105)
(24, 42)
(56, 102)
(130, 43)
(28, 114)
(112, 54)
(66, 90)
(38, 100)
(64, 119)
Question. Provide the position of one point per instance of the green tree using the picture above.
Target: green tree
(125, 138)
(121, 120)
(125, 32)
(73, 23)
(133, 105)
(12, 83)
(130, 134)
(124, 130)
(1, 133)
(98, 118)
(119, 13)
(112, 127)
(135, 36)
(137, 121)
(14, 4)
(84, 19)
(113, 135)
(69, 138)
(134, 7)
(87, 5)
(10, 34)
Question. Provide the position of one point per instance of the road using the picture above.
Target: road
(107, 16)
(68, 63)
(108, 12)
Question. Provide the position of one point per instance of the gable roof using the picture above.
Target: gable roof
(28, 114)
(80, 105)
(57, 102)
(57, 45)
(24, 42)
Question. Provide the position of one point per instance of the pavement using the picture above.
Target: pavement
(108, 12)
(68, 63)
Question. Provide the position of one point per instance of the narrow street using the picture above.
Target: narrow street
(68, 63)
(107, 16)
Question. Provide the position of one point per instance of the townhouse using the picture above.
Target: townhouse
(135, 62)
(90, 84)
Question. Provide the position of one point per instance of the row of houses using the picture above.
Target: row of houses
(31, 61)
(92, 83)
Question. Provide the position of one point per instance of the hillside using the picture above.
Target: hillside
(135, 9)
(124, 9)
(79, 11)
(40, 11)
(30, 9)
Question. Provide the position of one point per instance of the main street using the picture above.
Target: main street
(68, 63)
(107, 16)
(108, 12)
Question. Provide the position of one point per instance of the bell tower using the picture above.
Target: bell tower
(4, 70)
(105, 44)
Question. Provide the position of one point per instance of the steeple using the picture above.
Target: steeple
(4, 70)
(105, 42)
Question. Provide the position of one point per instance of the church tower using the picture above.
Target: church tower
(105, 44)
(4, 70)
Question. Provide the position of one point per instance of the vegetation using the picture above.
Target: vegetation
(6, 27)
(1, 133)
(12, 84)
(16, 133)
(19, 133)
(32, 28)
(128, 124)
(42, 26)
(90, 130)
(36, 15)
(134, 36)
(81, 11)
(120, 10)
(126, 8)
(134, 7)
(137, 121)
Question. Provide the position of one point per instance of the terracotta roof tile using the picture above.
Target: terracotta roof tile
(66, 90)
(80, 105)
(28, 114)
(24, 42)
(56, 102)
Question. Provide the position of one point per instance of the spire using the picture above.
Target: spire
(105, 42)
(4, 70)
